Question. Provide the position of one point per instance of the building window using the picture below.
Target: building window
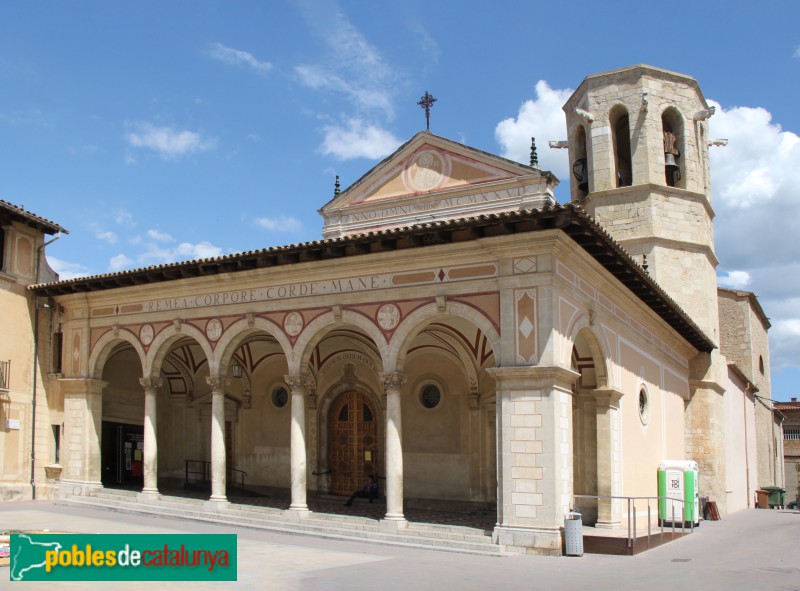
(280, 396)
(672, 129)
(2, 248)
(792, 434)
(761, 364)
(57, 443)
(58, 347)
(430, 396)
(5, 375)
(580, 167)
(644, 406)
(621, 134)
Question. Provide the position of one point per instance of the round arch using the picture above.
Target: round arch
(584, 330)
(322, 325)
(415, 322)
(237, 332)
(106, 344)
(166, 338)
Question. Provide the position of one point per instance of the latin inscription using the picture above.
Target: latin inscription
(245, 296)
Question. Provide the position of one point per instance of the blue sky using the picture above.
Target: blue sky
(162, 131)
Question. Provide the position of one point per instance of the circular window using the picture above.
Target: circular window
(644, 406)
(280, 397)
(430, 396)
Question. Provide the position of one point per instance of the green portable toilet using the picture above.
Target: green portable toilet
(678, 491)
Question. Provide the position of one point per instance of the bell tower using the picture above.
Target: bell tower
(638, 150)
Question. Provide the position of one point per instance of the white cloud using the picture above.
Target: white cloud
(280, 224)
(157, 254)
(160, 236)
(796, 52)
(542, 118)
(124, 217)
(119, 262)
(237, 57)
(353, 66)
(107, 236)
(734, 279)
(168, 142)
(67, 270)
(358, 140)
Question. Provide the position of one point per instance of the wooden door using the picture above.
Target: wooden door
(353, 442)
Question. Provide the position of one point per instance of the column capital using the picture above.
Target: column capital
(606, 397)
(392, 379)
(534, 377)
(297, 382)
(217, 383)
(80, 386)
(151, 383)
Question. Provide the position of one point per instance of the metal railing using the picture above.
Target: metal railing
(632, 512)
(199, 472)
(5, 375)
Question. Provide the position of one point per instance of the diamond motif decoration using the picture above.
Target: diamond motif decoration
(526, 327)
(525, 265)
(442, 275)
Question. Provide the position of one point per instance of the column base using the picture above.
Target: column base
(148, 496)
(608, 525)
(392, 523)
(216, 504)
(545, 541)
(296, 513)
(78, 488)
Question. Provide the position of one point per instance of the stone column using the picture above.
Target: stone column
(151, 386)
(219, 466)
(534, 451)
(83, 415)
(298, 384)
(393, 385)
(607, 404)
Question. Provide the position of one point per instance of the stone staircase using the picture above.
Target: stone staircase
(448, 538)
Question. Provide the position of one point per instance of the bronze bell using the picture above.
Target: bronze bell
(669, 162)
(581, 172)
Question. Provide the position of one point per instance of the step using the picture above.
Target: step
(368, 530)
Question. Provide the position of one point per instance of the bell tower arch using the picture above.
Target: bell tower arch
(639, 136)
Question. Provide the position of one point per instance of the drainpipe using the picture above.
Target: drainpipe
(39, 252)
(746, 454)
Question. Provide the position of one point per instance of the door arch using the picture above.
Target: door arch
(353, 442)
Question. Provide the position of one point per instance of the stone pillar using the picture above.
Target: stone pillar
(219, 466)
(607, 405)
(534, 449)
(151, 386)
(393, 385)
(298, 384)
(83, 415)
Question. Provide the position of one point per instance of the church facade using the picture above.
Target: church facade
(456, 332)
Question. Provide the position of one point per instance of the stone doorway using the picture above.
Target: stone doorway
(353, 445)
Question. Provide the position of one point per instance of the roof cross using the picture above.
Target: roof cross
(426, 102)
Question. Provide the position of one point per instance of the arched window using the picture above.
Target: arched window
(621, 144)
(761, 364)
(580, 166)
(672, 129)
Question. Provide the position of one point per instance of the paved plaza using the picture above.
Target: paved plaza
(747, 550)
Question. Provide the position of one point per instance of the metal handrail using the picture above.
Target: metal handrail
(205, 472)
(631, 501)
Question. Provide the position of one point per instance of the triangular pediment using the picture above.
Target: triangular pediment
(427, 173)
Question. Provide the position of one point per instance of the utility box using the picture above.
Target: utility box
(678, 492)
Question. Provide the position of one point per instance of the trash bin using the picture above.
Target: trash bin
(762, 497)
(776, 494)
(573, 534)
